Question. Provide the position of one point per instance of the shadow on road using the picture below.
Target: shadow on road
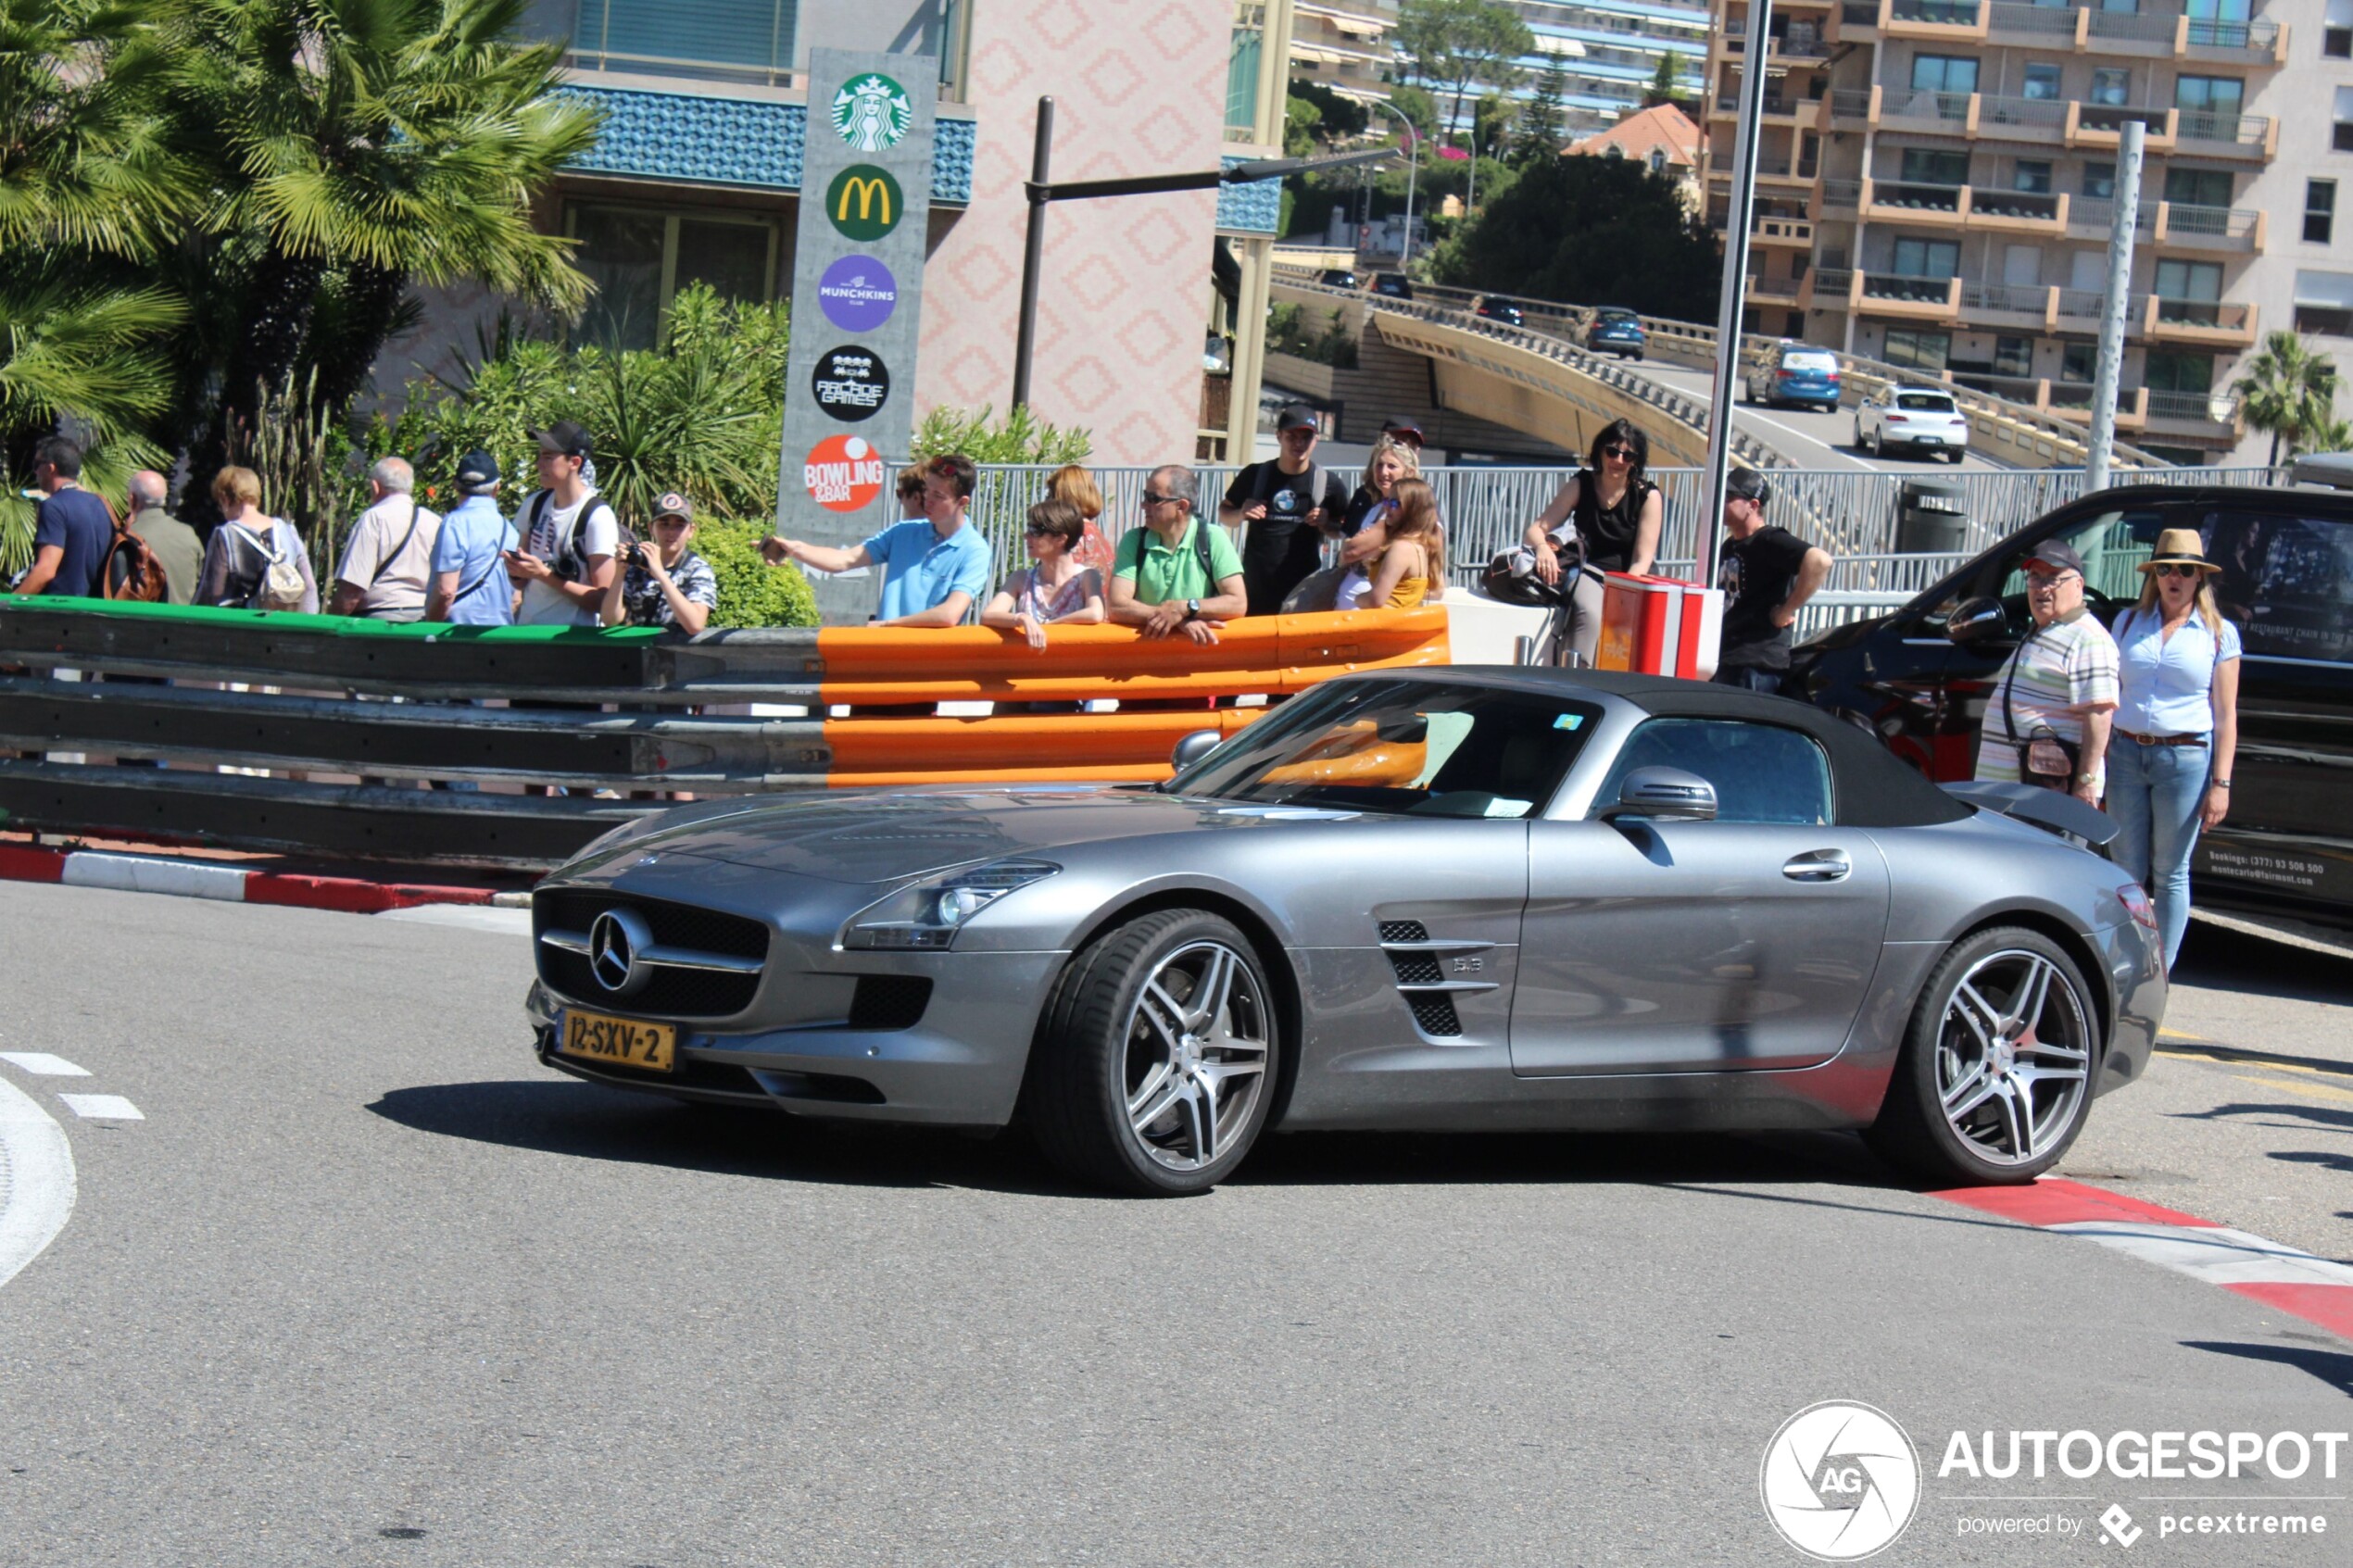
(589, 1122)
(2332, 1367)
(2215, 959)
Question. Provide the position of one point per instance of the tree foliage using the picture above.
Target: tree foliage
(1588, 231)
(2288, 392)
(1457, 45)
(1540, 117)
(1020, 437)
(1666, 82)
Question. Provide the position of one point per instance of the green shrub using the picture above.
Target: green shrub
(1020, 437)
(752, 593)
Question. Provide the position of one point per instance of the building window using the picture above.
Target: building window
(2342, 139)
(2336, 42)
(2326, 320)
(2078, 361)
(1926, 258)
(1924, 165)
(2172, 371)
(640, 257)
(737, 32)
(2196, 280)
(2013, 355)
(1944, 73)
(2033, 177)
(2320, 210)
(2112, 87)
(1918, 350)
(2209, 94)
(2099, 181)
(2198, 187)
(2042, 83)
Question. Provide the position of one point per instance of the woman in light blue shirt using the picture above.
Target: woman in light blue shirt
(2175, 728)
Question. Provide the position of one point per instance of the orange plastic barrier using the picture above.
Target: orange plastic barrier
(1275, 654)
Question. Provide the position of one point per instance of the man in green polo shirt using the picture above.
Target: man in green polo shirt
(1158, 584)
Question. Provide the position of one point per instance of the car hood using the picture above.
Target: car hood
(884, 838)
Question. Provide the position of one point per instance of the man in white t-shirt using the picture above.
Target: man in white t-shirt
(569, 536)
(386, 565)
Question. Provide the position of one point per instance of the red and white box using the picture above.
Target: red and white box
(1660, 626)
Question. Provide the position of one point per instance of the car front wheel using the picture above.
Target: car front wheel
(1154, 1067)
(1994, 1078)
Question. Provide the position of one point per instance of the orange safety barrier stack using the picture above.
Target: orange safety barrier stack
(1273, 655)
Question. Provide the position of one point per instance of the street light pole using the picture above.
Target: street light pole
(1041, 190)
(2108, 370)
(1749, 128)
(1413, 166)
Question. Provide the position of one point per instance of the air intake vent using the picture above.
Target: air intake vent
(672, 993)
(1434, 1013)
(1416, 969)
(889, 1001)
(1403, 931)
(1421, 964)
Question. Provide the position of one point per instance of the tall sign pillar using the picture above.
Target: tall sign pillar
(857, 281)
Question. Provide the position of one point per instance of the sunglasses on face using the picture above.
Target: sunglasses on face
(1623, 454)
(1035, 531)
(2177, 570)
(2038, 579)
(1153, 501)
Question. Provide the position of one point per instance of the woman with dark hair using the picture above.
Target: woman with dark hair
(1053, 589)
(1615, 511)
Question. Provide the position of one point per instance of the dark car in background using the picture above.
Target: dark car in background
(1614, 331)
(1340, 278)
(1392, 285)
(1502, 310)
(2286, 583)
(1792, 372)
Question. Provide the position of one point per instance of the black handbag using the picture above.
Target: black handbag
(1498, 582)
(2043, 757)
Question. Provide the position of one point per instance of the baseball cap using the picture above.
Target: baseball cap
(1295, 417)
(477, 470)
(672, 504)
(564, 437)
(1749, 486)
(1397, 424)
(2057, 556)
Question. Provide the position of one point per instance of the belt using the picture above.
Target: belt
(2164, 740)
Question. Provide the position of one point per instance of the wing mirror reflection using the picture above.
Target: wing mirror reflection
(1977, 620)
(1195, 746)
(1665, 795)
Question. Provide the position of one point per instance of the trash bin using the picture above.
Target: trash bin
(1932, 518)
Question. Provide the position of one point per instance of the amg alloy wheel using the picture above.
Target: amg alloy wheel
(1156, 1066)
(1996, 1072)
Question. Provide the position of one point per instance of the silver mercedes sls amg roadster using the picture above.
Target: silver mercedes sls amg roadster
(1449, 899)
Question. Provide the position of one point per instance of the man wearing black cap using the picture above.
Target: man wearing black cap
(1288, 502)
(2048, 717)
(570, 534)
(468, 585)
(1768, 574)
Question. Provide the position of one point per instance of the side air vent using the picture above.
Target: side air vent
(889, 1001)
(1423, 966)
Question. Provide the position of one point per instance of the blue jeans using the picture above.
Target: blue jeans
(1749, 677)
(2156, 793)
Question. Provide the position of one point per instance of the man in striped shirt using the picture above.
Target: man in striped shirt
(2061, 683)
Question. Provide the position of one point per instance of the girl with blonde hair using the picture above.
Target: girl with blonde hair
(1414, 559)
(1392, 463)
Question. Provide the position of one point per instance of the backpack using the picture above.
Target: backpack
(1270, 473)
(567, 563)
(278, 585)
(1200, 552)
(130, 570)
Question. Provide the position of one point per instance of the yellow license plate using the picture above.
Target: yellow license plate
(619, 1042)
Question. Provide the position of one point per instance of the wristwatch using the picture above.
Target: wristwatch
(1192, 609)
(2221, 784)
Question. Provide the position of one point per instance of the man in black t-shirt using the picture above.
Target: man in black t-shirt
(72, 530)
(1288, 501)
(1767, 573)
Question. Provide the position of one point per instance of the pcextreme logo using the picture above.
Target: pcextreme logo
(1839, 1481)
(865, 201)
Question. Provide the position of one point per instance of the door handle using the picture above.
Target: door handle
(1819, 865)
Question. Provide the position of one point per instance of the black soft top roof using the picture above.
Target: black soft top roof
(1874, 789)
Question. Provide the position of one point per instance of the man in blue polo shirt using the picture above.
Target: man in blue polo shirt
(934, 568)
(74, 527)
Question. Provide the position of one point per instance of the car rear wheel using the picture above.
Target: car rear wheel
(1155, 1066)
(1994, 1079)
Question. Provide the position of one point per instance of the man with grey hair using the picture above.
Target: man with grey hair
(175, 544)
(387, 563)
(1179, 573)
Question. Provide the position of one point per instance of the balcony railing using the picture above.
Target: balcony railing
(2096, 215)
(1842, 193)
(1831, 281)
(2200, 313)
(2130, 27)
(2078, 395)
(1900, 287)
(2112, 117)
(2018, 389)
(1945, 13)
(1993, 202)
(1926, 105)
(1858, 13)
(2038, 21)
(2235, 130)
(2196, 406)
(2256, 37)
(2037, 114)
(1917, 198)
(1730, 103)
(1850, 103)
(2019, 299)
(2088, 305)
(2211, 222)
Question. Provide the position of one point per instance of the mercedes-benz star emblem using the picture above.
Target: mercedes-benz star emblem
(615, 943)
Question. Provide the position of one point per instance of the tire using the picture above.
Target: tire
(1133, 1090)
(1967, 1049)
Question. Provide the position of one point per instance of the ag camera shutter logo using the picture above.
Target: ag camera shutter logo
(1839, 1481)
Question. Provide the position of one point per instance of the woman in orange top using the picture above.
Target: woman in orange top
(1415, 555)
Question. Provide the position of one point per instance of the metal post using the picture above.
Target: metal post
(1033, 250)
(1413, 166)
(1727, 310)
(2110, 365)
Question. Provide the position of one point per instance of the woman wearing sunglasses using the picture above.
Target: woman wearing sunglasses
(1053, 589)
(1617, 513)
(2175, 732)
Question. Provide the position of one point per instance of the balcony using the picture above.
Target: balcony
(2192, 414)
(1914, 299)
(2031, 119)
(2093, 217)
(1794, 233)
(2149, 35)
(1936, 114)
(2018, 212)
(2112, 28)
(2025, 305)
(1855, 103)
(1856, 14)
(1938, 21)
(2227, 135)
(2073, 400)
(1771, 290)
(1838, 195)
(2225, 42)
(1915, 205)
(2102, 125)
(2205, 323)
(2032, 24)
(2226, 229)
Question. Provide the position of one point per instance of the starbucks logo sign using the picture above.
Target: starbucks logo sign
(871, 112)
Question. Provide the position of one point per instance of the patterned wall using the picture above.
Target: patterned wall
(1138, 88)
(717, 141)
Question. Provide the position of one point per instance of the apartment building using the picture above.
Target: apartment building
(1345, 47)
(1608, 51)
(1937, 183)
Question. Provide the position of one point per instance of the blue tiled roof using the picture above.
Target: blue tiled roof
(1254, 207)
(686, 136)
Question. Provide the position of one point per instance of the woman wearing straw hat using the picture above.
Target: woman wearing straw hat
(2176, 725)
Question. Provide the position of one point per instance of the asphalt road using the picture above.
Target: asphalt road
(1808, 438)
(367, 1284)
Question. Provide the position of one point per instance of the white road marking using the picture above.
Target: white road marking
(40, 1064)
(2214, 1253)
(139, 873)
(470, 917)
(36, 1179)
(102, 1108)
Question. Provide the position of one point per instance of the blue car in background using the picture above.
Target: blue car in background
(1614, 331)
(1791, 372)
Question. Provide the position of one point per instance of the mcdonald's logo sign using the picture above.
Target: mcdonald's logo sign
(865, 201)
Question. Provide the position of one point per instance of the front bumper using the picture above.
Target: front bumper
(959, 1065)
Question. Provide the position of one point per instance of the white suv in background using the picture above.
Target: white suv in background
(1903, 416)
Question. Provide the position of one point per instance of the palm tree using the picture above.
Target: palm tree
(356, 146)
(2286, 390)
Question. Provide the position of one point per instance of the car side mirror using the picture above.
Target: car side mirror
(1195, 746)
(1666, 794)
(1981, 620)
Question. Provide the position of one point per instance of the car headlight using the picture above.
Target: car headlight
(929, 913)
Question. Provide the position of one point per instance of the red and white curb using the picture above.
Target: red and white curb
(202, 879)
(2313, 1288)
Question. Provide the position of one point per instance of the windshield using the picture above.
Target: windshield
(1934, 401)
(1617, 318)
(1811, 362)
(1406, 748)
